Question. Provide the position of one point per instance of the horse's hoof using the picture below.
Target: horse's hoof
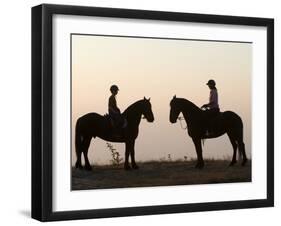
(199, 165)
(244, 162)
(135, 166)
(89, 168)
(232, 163)
(127, 167)
(78, 166)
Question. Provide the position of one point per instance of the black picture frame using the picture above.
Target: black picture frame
(42, 111)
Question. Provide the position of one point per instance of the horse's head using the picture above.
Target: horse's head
(147, 110)
(175, 110)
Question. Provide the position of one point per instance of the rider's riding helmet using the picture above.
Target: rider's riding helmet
(114, 88)
(211, 82)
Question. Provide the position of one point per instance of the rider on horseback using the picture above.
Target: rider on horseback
(212, 108)
(113, 110)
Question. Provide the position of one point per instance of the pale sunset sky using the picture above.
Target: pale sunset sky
(159, 69)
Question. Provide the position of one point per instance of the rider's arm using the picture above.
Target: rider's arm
(205, 105)
(211, 99)
(112, 105)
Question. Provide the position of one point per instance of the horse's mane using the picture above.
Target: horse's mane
(188, 103)
(132, 106)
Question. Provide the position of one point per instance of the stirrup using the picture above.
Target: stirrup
(117, 133)
(125, 124)
(207, 133)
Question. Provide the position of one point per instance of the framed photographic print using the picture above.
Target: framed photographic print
(140, 112)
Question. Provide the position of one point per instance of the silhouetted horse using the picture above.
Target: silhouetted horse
(226, 122)
(95, 125)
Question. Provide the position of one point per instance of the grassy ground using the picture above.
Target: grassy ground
(160, 174)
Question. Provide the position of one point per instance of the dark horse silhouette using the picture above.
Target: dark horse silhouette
(95, 125)
(226, 122)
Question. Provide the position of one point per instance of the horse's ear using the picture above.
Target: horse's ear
(148, 99)
(174, 97)
(144, 98)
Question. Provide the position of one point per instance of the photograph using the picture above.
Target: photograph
(158, 111)
(140, 112)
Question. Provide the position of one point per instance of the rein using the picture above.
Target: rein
(184, 128)
(182, 119)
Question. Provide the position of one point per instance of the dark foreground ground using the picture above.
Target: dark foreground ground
(160, 174)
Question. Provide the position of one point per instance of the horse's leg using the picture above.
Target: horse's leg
(127, 154)
(78, 163)
(241, 147)
(234, 145)
(132, 152)
(198, 146)
(86, 144)
(78, 147)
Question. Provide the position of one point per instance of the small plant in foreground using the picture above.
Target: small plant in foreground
(169, 158)
(116, 159)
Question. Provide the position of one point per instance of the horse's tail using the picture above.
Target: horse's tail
(237, 128)
(240, 153)
(240, 142)
(78, 138)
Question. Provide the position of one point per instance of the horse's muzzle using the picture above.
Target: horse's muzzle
(172, 120)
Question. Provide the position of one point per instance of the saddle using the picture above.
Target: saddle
(116, 127)
(211, 119)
